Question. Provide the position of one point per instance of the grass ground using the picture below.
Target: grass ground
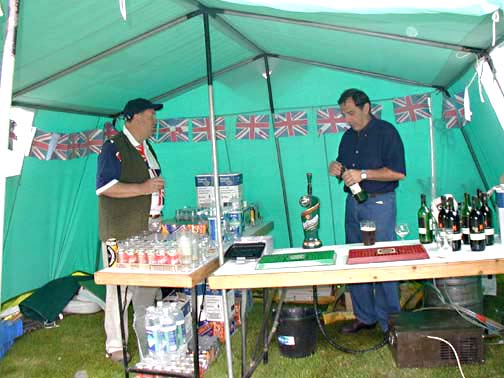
(78, 344)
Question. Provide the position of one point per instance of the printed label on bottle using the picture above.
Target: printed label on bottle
(489, 231)
(465, 230)
(477, 237)
(422, 231)
(355, 189)
(456, 236)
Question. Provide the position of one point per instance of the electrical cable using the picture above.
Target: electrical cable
(453, 349)
(342, 348)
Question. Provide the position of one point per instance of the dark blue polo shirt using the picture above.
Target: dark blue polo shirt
(376, 146)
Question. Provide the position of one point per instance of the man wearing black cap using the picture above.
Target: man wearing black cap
(130, 190)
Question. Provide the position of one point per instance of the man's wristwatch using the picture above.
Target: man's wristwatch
(363, 174)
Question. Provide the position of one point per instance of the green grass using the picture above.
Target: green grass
(78, 344)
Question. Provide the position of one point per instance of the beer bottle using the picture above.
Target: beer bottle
(424, 222)
(442, 214)
(466, 209)
(488, 219)
(310, 218)
(476, 227)
(453, 223)
(358, 193)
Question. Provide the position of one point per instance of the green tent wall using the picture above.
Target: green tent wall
(51, 208)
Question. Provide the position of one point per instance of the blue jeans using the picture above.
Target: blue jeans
(373, 302)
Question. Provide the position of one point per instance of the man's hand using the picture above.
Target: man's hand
(352, 176)
(335, 168)
(153, 185)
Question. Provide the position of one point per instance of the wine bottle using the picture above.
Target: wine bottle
(476, 227)
(466, 209)
(488, 219)
(358, 193)
(424, 222)
(442, 214)
(453, 223)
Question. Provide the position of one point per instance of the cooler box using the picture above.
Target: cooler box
(230, 185)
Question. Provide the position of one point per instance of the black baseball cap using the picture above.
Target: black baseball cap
(138, 105)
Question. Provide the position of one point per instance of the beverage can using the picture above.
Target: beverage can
(112, 248)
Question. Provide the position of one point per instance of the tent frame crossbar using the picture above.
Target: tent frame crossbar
(108, 52)
(346, 29)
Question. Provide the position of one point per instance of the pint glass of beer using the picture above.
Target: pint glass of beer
(368, 229)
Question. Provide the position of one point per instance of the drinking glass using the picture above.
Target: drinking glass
(401, 230)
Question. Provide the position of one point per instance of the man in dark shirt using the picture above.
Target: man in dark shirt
(372, 153)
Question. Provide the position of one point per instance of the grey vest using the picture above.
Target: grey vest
(124, 217)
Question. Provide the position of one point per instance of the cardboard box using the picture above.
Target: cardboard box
(214, 307)
(230, 185)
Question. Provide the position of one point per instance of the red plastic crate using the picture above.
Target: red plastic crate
(386, 254)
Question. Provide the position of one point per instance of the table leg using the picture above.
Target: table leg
(243, 318)
(194, 298)
(123, 334)
(266, 326)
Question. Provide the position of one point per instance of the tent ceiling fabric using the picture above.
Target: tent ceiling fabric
(56, 36)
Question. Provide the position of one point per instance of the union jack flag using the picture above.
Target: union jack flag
(291, 124)
(453, 111)
(40, 144)
(331, 120)
(109, 130)
(173, 130)
(61, 149)
(411, 108)
(252, 126)
(201, 129)
(12, 134)
(94, 141)
(376, 110)
(77, 145)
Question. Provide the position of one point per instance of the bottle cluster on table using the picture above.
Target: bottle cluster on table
(469, 224)
(169, 345)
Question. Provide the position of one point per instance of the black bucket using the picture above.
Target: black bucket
(464, 291)
(297, 331)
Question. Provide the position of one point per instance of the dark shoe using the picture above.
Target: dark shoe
(117, 356)
(356, 326)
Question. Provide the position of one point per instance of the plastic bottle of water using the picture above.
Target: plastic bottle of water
(168, 335)
(181, 331)
(152, 328)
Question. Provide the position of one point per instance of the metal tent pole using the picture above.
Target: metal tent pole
(208, 51)
(279, 154)
(6, 80)
(432, 152)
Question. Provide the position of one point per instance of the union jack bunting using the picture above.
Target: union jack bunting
(291, 124)
(453, 111)
(376, 110)
(331, 120)
(109, 130)
(201, 129)
(173, 130)
(77, 145)
(411, 108)
(94, 141)
(40, 144)
(61, 150)
(252, 126)
(12, 134)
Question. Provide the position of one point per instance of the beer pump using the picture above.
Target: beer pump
(310, 218)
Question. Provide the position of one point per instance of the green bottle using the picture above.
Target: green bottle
(424, 222)
(358, 193)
